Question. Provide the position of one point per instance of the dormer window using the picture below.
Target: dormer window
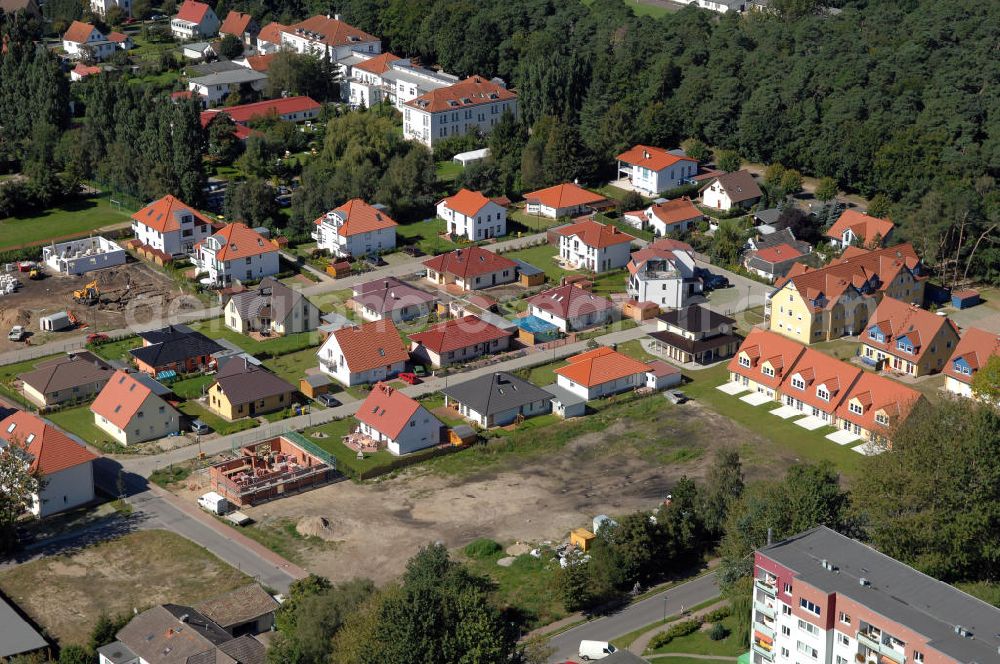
(823, 393)
(798, 383)
(855, 408)
(875, 334)
(744, 361)
(905, 346)
(767, 371)
(881, 418)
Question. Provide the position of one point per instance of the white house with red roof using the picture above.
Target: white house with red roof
(65, 465)
(470, 269)
(472, 215)
(663, 272)
(170, 226)
(240, 25)
(389, 417)
(589, 245)
(83, 40)
(388, 77)
(474, 104)
(364, 80)
(101, 7)
(674, 216)
(364, 354)
(972, 352)
(355, 229)
(235, 253)
(194, 20)
(872, 406)
(651, 170)
(131, 409)
(329, 37)
(562, 200)
(602, 372)
(269, 38)
(571, 308)
(288, 109)
(458, 340)
(853, 227)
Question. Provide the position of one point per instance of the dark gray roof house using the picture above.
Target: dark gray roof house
(174, 346)
(498, 399)
(392, 298)
(243, 382)
(71, 377)
(739, 186)
(249, 609)
(695, 334)
(271, 307)
(17, 636)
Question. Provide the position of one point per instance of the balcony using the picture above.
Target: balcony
(764, 629)
(767, 609)
(762, 651)
(873, 642)
(771, 590)
(869, 640)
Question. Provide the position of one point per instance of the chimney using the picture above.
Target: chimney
(770, 536)
(336, 17)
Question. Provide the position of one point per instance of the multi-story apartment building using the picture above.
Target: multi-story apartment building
(355, 229)
(235, 252)
(820, 597)
(474, 104)
(329, 37)
(170, 226)
(836, 300)
(907, 339)
(370, 79)
(663, 272)
(589, 245)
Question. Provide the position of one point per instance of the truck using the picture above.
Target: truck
(238, 519)
(214, 503)
(17, 333)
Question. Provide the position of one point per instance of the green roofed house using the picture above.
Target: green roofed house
(498, 399)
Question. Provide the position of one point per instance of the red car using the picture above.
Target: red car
(96, 338)
(409, 378)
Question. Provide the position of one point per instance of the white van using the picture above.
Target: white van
(595, 650)
(214, 503)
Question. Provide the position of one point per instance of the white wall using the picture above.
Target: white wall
(65, 490)
(260, 266)
(429, 128)
(176, 243)
(361, 244)
(598, 260)
(333, 363)
(153, 424)
(490, 221)
(422, 430)
(72, 257)
(604, 389)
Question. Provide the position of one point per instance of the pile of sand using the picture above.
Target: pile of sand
(315, 526)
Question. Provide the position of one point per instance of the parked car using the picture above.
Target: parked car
(328, 400)
(213, 503)
(374, 260)
(715, 281)
(17, 333)
(199, 427)
(675, 397)
(595, 650)
(409, 378)
(97, 338)
(411, 250)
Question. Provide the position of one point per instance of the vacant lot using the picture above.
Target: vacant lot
(75, 218)
(65, 594)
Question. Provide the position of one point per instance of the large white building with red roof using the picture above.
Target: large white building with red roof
(389, 417)
(853, 227)
(131, 409)
(288, 109)
(602, 372)
(651, 170)
(571, 308)
(471, 215)
(170, 226)
(355, 229)
(269, 38)
(329, 37)
(240, 25)
(470, 269)
(458, 340)
(973, 351)
(194, 20)
(371, 79)
(65, 465)
(674, 216)
(235, 253)
(101, 7)
(83, 40)
(561, 200)
(589, 245)
(663, 272)
(364, 354)
(472, 104)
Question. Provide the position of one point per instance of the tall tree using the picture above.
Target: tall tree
(21, 484)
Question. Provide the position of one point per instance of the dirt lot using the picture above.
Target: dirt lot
(527, 497)
(132, 293)
(65, 594)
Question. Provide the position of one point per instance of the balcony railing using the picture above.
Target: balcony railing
(766, 587)
(764, 629)
(877, 646)
(768, 611)
(763, 652)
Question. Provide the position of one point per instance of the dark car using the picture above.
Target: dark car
(411, 250)
(328, 400)
(199, 427)
(675, 397)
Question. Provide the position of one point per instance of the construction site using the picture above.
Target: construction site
(101, 300)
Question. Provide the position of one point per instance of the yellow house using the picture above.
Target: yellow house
(907, 339)
(812, 305)
(242, 389)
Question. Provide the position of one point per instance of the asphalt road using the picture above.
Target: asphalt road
(645, 612)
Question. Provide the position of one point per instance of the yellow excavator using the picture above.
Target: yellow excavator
(88, 294)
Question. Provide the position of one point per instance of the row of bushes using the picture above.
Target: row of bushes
(686, 627)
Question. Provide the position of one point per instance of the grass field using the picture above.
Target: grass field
(218, 424)
(116, 350)
(519, 220)
(191, 388)
(292, 366)
(528, 584)
(280, 536)
(290, 343)
(65, 594)
(699, 644)
(542, 257)
(76, 217)
(8, 372)
(80, 421)
(425, 236)
(448, 171)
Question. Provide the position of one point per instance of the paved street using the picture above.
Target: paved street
(640, 614)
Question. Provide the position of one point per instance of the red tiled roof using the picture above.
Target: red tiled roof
(260, 62)
(332, 31)
(458, 333)
(599, 366)
(676, 211)
(976, 347)
(387, 410)
(897, 319)
(655, 159)
(379, 64)
(181, 94)
(569, 302)
(472, 91)
(192, 11)
(161, 215)
(245, 113)
(239, 241)
(594, 234)
(371, 345)
(120, 399)
(271, 33)
(563, 196)
(78, 32)
(467, 202)
(862, 225)
(817, 368)
(83, 70)
(469, 262)
(361, 218)
(778, 253)
(876, 393)
(51, 450)
(236, 24)
(117, 37)
(764, 346)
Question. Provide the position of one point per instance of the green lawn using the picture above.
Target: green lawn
(436, 400)
(519, 220)
(80, 421)
(542, 257)
(448, 171)
(116, 350)
(425, 235)
(192, 388)
(74, 218)
(607, 283)
(528, 584)
(219, 425)
(635, 350)
(543, 374)
(698, 643)
(790, 438)
(292, 366)
(290, 343)
(643, 9)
